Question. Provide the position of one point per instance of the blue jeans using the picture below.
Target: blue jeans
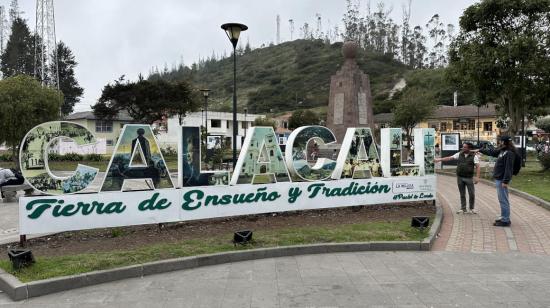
(504, 201)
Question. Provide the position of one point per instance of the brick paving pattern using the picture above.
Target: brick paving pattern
(530, 230)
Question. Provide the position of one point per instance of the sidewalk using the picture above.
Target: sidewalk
(368, 279)
(530, 231)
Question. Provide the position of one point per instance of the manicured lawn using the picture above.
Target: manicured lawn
(533, 180)
(48, 267)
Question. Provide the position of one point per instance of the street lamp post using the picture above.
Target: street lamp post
(245, 118)
(205, 93)
(233, 31)
(478, 126)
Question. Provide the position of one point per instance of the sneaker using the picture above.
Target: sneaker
(473, 211)
(501, 223)
(461, 211)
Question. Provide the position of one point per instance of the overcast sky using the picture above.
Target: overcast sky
(111, 38)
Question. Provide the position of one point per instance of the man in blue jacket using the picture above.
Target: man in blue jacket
(502, 173)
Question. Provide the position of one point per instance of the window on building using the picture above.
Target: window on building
(488, 126)
(285, 124)
(121, 125)
(244, 125)
(216, 123)
(104, 126)
(456, 125)
(110, 142)
(227, 124)
(443, 126)
(471, 124)
(433, 125)
(461, 124)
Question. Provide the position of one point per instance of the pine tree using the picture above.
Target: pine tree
(18, 56)
(67, 80)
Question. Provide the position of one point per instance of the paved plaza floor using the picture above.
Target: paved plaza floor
(368, 279)
(473, 264)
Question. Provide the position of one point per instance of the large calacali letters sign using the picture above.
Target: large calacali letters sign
(138, 188)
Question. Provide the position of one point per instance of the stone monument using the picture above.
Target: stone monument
(350, 100)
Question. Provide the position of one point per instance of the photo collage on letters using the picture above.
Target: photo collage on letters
(137, 156)
(34, 155)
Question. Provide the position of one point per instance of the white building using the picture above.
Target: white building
(220, 124)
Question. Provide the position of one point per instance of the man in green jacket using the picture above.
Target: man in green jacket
(467, 166)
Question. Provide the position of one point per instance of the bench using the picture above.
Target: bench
(9, 192)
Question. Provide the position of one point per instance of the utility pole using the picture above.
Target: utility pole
(46, 66)
(319, 29)
(278, 29)
(291, 23)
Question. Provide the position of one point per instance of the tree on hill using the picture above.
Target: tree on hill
(24, 103)
(414, 107)
(14, 12)
(146, 101)
(67, 80)
(502, 54)
(303, 118)
(18, 56)
(265, 122)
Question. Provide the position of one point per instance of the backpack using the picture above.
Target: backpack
(517, 162)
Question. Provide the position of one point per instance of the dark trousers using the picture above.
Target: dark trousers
(464, 183)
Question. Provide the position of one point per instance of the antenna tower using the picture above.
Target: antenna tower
(278, 29)
(3, 28)
(45, 49)
(291, 22)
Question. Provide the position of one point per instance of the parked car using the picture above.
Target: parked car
(482, 144)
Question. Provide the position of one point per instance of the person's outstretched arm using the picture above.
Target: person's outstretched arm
(448, 158)
(489, 152)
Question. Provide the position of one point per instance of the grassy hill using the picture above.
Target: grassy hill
(286, 77)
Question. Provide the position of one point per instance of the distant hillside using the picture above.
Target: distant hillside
(286, 77)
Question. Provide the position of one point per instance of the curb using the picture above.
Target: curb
(17, 290)
(536, 200)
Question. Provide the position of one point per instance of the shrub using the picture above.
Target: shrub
(544, 160)
(6, 157)
(94, 157)
(169, 151)
(54, 157)
(66, 157)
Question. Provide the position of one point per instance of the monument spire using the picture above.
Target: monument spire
(350, 99)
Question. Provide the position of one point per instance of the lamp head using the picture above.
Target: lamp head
(205, 92)
(233, 31)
